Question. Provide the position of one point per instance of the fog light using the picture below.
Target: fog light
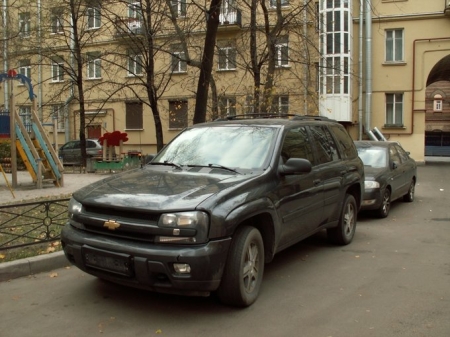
(182, 268)
(369, 202)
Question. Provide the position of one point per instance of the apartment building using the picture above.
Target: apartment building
(366, 63)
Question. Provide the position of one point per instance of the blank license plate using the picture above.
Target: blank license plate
(116, 263)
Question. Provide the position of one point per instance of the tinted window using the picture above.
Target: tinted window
(394, 154)
(325, 147)
(297, 145)
(402, 153)
(345, 142)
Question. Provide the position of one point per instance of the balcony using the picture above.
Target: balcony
(230, 20)
(128, 28)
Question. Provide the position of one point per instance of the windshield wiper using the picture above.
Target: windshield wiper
(167, 163)
(216, 166)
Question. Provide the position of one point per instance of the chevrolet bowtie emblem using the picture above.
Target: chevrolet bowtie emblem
(111, 225)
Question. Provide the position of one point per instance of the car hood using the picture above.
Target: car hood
(373, 173)
(158, 188)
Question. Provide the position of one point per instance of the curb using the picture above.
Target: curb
(33, 265)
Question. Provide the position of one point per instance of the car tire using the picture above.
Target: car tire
(383, 211)
(243, 273)
(409, 197)
(345, 231)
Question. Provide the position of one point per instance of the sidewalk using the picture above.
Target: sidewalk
(26, 190)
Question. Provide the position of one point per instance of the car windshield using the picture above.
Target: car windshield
(233, 147)
(373, 156)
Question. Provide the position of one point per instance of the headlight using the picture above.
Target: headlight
(184, 219)
(74, 207)
(371, 184)
(188, 227)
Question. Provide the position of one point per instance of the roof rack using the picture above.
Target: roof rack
(273, 115)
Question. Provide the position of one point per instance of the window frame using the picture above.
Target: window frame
(438, 103)
(227, 58)
(280, 107)
(25, 68)
(178, 118)
(94, 17)
(25, 24)
(134, 118)
(178, 62)
(282, 52)
(392, 46)
(227, 106)
(273, 3)
(397, 104)
(58, 111)
(57, 26)
(57, 70)
(94, 66)
(179, 7)
(135, 65)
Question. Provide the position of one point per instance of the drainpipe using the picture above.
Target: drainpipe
(360, 62)
(368, 64)
(39, 105)
(5, 50)
(305, 55)
(71, 90)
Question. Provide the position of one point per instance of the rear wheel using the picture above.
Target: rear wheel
(383, 211)
(244, 269)
(409, 197)
(345, 231)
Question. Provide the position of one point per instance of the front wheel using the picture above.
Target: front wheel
(345, 231)
(244, 269)
(409, 197)
(383, 211)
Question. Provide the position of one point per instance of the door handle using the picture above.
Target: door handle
(316, 182)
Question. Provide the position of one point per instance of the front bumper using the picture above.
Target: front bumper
(147, 266)
(372, 199)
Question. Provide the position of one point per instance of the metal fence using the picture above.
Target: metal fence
(32, 223)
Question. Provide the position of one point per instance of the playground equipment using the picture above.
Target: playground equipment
(109, 141)
(34, 147)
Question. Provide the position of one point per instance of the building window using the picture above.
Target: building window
(94, 17)
(135, 62)
(394, 45)
(25, 115)
(280, 105)
(134, 116)
(227, 58)
(94, 66)
(249, 106)
(394, 109)
(25, 68)
(179, 8)
(178, 114)
(227, 106)
(58, 113)
(58, 69)
(24, 24)
(282, 51)
(273, 3)
(179, 64)
(57, 20)
(134, 10)
(437, 103)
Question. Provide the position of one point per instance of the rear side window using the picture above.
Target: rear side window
(345, 142)
(325, 147)
(90, 144)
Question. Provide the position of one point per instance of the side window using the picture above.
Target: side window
(347, 145)
(325, 148)
(297, 145)
(76, 145)
(393, 154)
(403, 155)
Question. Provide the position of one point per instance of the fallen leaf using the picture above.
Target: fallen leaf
(158, 331)
(2, 256)
(52, 275)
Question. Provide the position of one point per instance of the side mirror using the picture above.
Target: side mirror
(296, 166)
(394, 165)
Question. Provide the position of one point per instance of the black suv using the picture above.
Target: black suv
(216, 204)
